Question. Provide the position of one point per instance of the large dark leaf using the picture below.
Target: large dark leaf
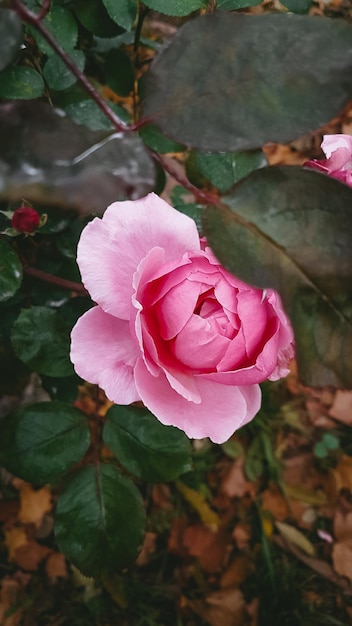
(41, 442)
(10, 271)
(10, 36)
(45, 156)
(41, 339)
(148, 449)
(99, 522)
(233, 82)
(290, 229)
(176, 7)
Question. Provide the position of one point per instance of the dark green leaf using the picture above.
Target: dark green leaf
(10, 271)
(290, 229)
(20, 83)
(231, 5)
(95, 18)
(99, 522)
(10, 37)
(45, 157)
(178, 8)
(41, 442)
(41, 340)
(148, 449)
(88, 113)
(64, 389)
(224, 170)
(62, 25)
(119, 72)
(229, 81)
(153, 138)
(298, 6)
(253, 464)
(123, 12)
(58, 75)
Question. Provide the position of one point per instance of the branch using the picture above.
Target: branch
(55, 280)
(34, 19)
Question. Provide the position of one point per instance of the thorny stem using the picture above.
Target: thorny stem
(33, 18)
(55, 280)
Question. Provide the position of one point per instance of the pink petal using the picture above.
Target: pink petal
(198, 347)
(253, 313)
(110, 249)
(175, 309)
(104, 353)
(221, 411)
(338, 150)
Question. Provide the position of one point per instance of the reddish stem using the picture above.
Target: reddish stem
(199, 194)
(33, 18)
(55, 280)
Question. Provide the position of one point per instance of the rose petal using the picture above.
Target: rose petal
(222, 409)
(104, 353)
(110, 249)
(338, 150)
(198, 347)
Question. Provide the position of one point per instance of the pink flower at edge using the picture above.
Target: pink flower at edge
(338, 162)
(172, 328)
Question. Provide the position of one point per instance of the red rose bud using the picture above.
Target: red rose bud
(25, 219)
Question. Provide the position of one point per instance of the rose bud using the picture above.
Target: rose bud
(25, 219)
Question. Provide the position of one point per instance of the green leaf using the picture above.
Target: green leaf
(153, 138)
(88, 113)
(298, 6)
(10, 271)
(230, 5)
(330, 441)
(99, 521)
(41, 442)
(95, 18)
(58, 75)
(177, 8)
(254, 462)
(61, 23)
(119, 72)
(252, 91)
(233, 448)
(10, 37)
(41, 340)
(147, 448)
(290, 229)
(48, 159)
(21, 83)
(123, 12)
(224, 170)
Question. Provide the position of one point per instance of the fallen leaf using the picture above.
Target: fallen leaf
(31, 554)
(342, 525)
(292, 535)
(237, 571)
(341, 409)
(342, 558)
(241, 534)
(10, 594)
(235, 484)
(34, 504)
(342, 474)
(198, 502)
(55, 566)
(226, 607)
(148, 548)
(274, 502)
(306, 495)
(15, 537)
(210, 547)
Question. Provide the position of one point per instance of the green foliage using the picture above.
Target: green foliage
(58, 75)
(20, 83)
(123, 12)
(327, 443)
(61, 23)
(253, 91)
(176, 7)
(153, 138)
(292, 231)
(119, 72)
(10, 37)
(95, 18)
(43, 441)
(40, 338)
(298, 6)
(10, 271)
(148, 449)
(104, 513)
(224, 170)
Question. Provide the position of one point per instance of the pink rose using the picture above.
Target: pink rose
(25, 219)
(338, 164)
(172, 327)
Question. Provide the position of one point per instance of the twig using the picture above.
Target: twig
(32, 18)
(203, 196)
(55, 280)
